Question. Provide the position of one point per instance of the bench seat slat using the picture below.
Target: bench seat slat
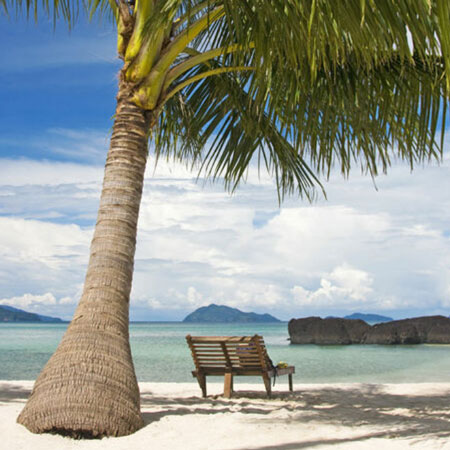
(234, 357)
(221, 338)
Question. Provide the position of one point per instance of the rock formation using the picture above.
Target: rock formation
(314, 330)
(420, 330)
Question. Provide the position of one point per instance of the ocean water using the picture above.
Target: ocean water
(160, 353)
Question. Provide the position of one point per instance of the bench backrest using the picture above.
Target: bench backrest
(244, 355)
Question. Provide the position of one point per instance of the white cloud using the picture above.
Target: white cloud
(30, 300)
(344, 286)
(38, 256)
(27, 172)
(422, 230)
(259, 295)
(44, 304)
(356, 284)
(68, 301)
(190, 299)
(378, 250)
(52, 245)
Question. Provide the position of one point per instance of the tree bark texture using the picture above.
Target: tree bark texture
(88, 388)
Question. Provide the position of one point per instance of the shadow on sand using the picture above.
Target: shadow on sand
(380, 414)
(389, 415)
(13, 392)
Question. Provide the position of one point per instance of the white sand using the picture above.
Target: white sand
(319, 416)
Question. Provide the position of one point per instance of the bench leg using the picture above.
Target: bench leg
(291, 385)
(202, 383)
(228, 385)
(266, 379)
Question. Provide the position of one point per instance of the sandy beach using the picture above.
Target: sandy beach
(322, 416)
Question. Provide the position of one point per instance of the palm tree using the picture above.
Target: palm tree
(295, 86)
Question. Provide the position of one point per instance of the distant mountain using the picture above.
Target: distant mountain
(369, 317)
(225, 314)
(10, 314)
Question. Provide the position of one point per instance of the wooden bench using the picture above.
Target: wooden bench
(228, 356)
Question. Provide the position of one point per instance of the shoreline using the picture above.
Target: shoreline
(325, 416)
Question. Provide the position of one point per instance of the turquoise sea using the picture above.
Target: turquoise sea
(160, 353)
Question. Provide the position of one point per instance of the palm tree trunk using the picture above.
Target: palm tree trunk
(88, 388)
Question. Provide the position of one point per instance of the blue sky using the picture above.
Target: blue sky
(54, 79)
(384, 251)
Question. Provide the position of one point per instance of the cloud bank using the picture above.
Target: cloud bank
(384, 250)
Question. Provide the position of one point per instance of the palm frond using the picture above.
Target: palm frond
(218, 114)
(369, 116)
(362, 116)
(320, 36)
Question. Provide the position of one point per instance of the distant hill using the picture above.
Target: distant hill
(10, 314)
(225, 314)
(369, 317)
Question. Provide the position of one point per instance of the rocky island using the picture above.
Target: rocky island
(224, 314)
(330, 331)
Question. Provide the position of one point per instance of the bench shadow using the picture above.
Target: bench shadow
(392, 415)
